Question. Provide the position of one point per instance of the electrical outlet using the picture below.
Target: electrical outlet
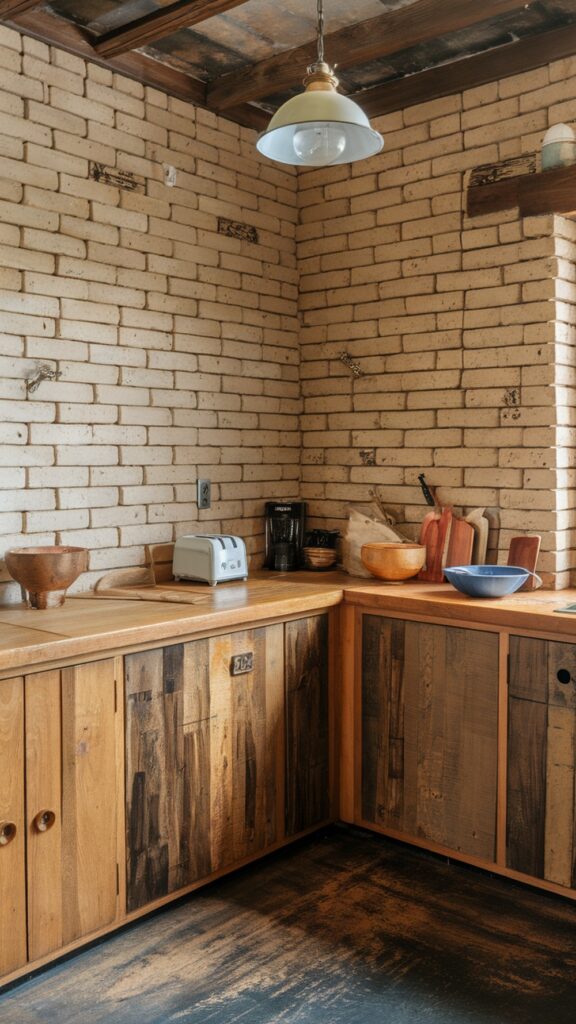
(203, 492)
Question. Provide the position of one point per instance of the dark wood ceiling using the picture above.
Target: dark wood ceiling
(243, 58)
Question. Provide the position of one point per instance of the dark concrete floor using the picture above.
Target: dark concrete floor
(345, 928)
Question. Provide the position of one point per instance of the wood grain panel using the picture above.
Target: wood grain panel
(9, 8)
(89, 866)
(43, 792)
(307, 734)
(12, 855)
(559, 844)
(162, 22)
(146, 780)
(275, 739)
(221, 753)
(205, 759)
(383, 719)
(471, 735)
(367, 40)
(477, 69)
(429, 732)
(561, 675)
(527, 732)
(552, 191)
(247, 772)
(196, 729)
(541, 832)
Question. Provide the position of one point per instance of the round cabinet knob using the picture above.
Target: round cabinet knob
(563, 676)
(7, 832)
(44, 820)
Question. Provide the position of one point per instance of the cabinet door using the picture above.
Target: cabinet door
(541, 827)
(12, 827)
(307, 724)
(429, 732)
(205, 758)
(71, 804)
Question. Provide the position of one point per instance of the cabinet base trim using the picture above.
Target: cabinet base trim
(476, 862)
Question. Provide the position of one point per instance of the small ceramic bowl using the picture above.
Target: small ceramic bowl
(487, 580)
(46, 572)
(394, 561)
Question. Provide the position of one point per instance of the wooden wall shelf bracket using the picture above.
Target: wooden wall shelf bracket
(551, 191)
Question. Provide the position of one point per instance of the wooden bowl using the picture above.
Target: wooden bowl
(319, 558)
(46, 572)
(393, 561)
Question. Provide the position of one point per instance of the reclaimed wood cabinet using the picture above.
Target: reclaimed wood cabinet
(429, 733)
(541, 806)
(307, 724)
(226, 752)
(58, 801)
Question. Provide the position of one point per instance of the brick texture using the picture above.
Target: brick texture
(166, 334)
(463, 329)
(186, 353)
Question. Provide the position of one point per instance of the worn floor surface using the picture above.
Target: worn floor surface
(346, 928)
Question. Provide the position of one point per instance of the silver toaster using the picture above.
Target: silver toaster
(212, 558)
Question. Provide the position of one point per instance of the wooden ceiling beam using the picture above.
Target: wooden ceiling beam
(469, 72)
(160, 23)
(57, 32)
(368, 40)
(9, 8)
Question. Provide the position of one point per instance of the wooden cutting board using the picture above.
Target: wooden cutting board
(523, 551)
(435, 535)
(461, 543)
(481, 528)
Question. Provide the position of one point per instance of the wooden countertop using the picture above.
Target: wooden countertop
(102, 625)
(536, 610)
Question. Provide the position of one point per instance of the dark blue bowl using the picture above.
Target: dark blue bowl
(486, 580)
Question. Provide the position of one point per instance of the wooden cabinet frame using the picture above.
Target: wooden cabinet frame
(350, 736)
(69, 730)
(344, 673)
(14, 685)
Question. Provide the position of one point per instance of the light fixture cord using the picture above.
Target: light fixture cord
(320, 9)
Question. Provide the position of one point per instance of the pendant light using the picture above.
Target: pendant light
(319, 127)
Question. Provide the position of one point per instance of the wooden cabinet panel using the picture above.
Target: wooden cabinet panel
(307, 724)
(58, 781)
(70, 774)
(12, 827)
(89, 798)
(205, 765)
(541, 824)
(43, 794)
(154, 772)
(246, 771)
(429, 732)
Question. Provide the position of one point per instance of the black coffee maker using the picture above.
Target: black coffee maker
(285, 522)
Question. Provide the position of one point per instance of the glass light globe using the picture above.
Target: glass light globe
(319, 144)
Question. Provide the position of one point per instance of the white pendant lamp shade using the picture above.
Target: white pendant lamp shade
(319, 127)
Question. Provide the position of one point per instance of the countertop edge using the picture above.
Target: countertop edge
(533, 611)
(200, 621)
(155, 621)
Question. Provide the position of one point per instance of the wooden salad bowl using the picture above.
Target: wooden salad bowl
(394, 561)
(46, 572)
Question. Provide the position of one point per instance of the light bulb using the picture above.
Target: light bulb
(319, 144)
